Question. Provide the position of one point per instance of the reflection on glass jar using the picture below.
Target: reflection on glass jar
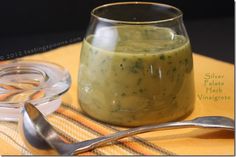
(136, 65)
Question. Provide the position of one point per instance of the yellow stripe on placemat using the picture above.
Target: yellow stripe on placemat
(7, 149)
(81, 127)
(9, 134)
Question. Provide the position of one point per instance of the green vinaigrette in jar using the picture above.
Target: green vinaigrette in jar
(135, 74)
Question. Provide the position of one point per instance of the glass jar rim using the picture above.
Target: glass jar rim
(104, 19)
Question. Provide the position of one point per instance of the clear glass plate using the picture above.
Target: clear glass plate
(41, 83)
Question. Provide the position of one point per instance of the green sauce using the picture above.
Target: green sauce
(136, 75)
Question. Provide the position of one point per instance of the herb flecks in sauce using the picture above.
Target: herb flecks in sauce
(139, 81)
(137, 66)
(162, 57)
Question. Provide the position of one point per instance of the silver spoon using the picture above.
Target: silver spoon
(41, 138)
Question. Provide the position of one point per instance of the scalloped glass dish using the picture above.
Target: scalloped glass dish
(41, 83)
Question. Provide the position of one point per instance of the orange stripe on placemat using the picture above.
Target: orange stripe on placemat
(37, 95)
(9, 87)
(104, 131)
(5, 97)
(88, 153)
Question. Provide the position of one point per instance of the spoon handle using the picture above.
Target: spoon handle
(206, 122)
(94, 143)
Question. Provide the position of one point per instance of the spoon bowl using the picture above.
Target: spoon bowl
(32, 124)
(41, 137)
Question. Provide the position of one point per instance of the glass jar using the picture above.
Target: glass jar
(136, 65)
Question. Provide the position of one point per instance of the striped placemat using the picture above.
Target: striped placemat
(75, 126)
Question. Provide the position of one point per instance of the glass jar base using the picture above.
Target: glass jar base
(137, 122)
